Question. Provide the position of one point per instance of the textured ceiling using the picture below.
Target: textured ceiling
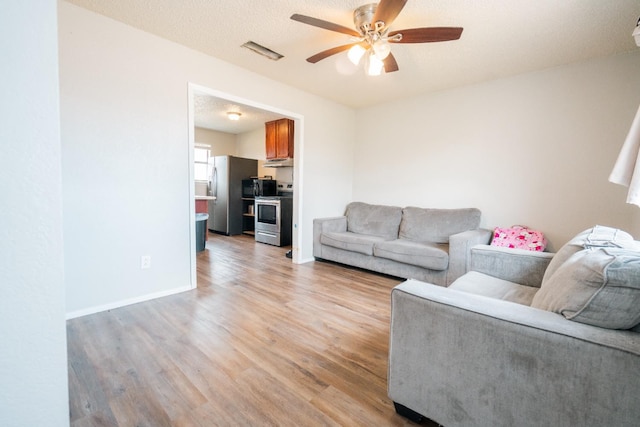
(211, 113)
(501, 38)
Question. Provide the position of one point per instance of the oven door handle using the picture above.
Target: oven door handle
(262, 233)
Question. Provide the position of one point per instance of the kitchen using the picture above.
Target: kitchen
(234, 145)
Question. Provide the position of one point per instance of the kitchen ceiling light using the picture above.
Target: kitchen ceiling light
(233, 115)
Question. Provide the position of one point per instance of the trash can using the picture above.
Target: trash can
(201, 230)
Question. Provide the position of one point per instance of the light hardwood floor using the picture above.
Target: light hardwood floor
(261, 341)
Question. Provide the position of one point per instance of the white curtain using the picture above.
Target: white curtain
(627, 168)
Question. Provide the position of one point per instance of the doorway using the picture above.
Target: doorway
(259, 113)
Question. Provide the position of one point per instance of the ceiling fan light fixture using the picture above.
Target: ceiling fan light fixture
(234, 115)
(382, 49)
(355, 53)
(373, 64)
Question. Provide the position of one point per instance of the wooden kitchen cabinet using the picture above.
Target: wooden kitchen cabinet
(279, 139)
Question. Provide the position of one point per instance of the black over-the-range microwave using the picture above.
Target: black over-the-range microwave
(259, 187)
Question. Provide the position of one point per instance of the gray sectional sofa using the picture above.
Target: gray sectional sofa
(524, 338)
(426, 244)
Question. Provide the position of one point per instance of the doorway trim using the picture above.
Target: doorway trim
(297, 169)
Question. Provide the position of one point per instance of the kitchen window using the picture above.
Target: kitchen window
(201, 164)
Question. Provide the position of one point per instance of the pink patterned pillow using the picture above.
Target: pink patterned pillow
(519, 237)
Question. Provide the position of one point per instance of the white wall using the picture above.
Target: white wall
(33, 354)
(252, 145)
(221, 143)
(535, 149)
(125, 130)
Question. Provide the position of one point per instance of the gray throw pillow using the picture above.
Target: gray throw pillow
(596, 286)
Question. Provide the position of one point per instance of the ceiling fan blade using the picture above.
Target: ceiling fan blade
(390, 64)
(387, 11)
(427, 35)
(327, 53)
(324, 24)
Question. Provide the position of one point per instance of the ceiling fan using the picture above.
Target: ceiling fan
(372, 36)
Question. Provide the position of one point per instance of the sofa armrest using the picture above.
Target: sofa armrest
(515, 265)
(463, 359)
(323, 225)
(460, 245)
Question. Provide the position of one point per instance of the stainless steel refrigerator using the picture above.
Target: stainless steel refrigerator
(225, 183)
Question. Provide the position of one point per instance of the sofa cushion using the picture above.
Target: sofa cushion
(375, 220)
(361, 243)
(597, 286)
(436, 225)
(598, 236)
(488, 286)
(428, 255)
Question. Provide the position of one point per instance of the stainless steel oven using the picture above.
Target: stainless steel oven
(273, 217)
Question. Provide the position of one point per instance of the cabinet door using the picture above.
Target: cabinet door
(271, 136)
(284, 147)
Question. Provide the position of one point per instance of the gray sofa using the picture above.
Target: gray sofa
(524, 338)
(425, 244)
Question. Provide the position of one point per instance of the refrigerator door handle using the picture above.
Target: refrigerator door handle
(214, 182)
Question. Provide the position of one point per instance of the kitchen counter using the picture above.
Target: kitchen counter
(202, 203)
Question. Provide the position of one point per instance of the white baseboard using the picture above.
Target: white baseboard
(118, 304)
